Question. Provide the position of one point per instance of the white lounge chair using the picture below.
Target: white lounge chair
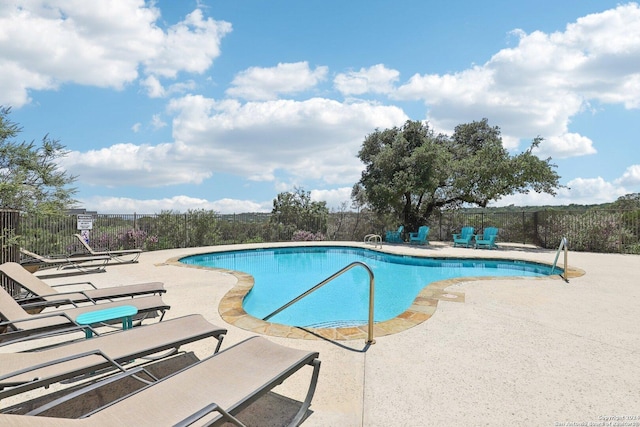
(92, 263)
(19, 324)
(121, 255)
(40, 295)
(214, 389)
(21, 372)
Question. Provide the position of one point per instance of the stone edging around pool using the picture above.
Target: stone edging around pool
(423, 307)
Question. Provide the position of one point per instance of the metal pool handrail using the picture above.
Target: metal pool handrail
(370, 339)
(373, 239)
(563, 245)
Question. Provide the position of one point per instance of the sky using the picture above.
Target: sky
(222, 104)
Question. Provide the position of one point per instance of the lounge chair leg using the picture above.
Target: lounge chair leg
(307, 401)
(220, 338)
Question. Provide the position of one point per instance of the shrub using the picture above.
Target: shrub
(302, 236)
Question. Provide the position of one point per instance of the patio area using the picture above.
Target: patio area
(505, 352)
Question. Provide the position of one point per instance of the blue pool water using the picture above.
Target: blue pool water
(282, 274)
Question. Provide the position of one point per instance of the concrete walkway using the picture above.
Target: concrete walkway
(538, 352)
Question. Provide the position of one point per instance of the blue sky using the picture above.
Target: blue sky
(223, 104)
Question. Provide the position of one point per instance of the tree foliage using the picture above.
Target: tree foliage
(295, 211)
(628, 201)
(29, 176)
(410, 172)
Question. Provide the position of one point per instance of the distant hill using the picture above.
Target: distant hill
(629, 201)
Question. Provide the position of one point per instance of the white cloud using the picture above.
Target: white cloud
(580, 191)
(241, 206)
(156, 122)
(376, 79)
(566, 145)
(180, 87)
(176, 203)
(16, 81)
(595, 189)
(130, 164)
(316, 139)
(313, 139)
(99, 43)
(630, 177)
(260, 84)
(181, 203)
(334, 197)
(190, 45)
(536, 87)
(153, 87)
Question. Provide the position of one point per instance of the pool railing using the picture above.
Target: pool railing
(563, 245)
(370, 339)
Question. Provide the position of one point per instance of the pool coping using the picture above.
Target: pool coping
(423, 307)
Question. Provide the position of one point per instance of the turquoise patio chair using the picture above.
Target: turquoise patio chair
(394, 236)
(464, 237)
(487, 239)
(421, 237)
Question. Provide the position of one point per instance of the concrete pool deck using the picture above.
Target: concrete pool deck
(504, 351)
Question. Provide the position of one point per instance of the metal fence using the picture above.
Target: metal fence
(589, 230)
(9, 221)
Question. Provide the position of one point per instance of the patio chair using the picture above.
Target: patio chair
(487, 239)
(464, 237)
(40, 295)
(120, 256)
(21, 372)
(421, 237)
(17, 323)
(86, 264)
(394, 236)
(214, 389)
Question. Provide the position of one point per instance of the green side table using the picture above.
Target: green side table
(126, 312)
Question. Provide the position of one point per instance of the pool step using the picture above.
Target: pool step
(337, 324)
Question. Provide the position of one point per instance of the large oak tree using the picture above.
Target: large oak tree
(411, 172)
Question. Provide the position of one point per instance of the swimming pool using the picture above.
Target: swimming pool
(282, 274)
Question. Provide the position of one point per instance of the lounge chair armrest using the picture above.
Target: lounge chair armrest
(133, 372)
(62, 294)
(48, 334)
(124, 251)
(35, 317)
(31, 298)
(11, 323)
(58, 256)
(75, 283)
(37, 302)
(38, 382)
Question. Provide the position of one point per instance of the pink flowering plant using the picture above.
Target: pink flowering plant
(305, 236)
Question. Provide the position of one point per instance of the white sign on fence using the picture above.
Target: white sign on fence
(85, 222)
